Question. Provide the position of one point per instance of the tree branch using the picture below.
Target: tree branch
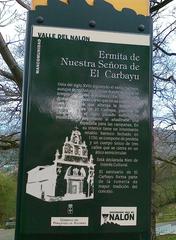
(169, 79)
(172, 161)
(6, 74)
(9, 141)
(164, 51)
(23, 4)
(160, 5)
(11, 63)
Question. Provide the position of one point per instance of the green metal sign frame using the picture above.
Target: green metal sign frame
(85, 162)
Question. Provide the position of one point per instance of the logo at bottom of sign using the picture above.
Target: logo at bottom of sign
(122, 216)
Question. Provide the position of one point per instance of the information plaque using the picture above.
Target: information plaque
(85, 165)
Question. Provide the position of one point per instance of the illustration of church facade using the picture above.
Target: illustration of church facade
(70, 177)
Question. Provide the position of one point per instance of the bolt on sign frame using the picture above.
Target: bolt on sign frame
(85, 159)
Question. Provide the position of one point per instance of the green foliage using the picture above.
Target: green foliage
(7, 196)
(166, 237)
(165, 192)
(165, 185)
(167, 213)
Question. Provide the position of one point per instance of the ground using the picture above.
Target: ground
(7, 234)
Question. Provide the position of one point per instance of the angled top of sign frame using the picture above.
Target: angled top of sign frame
(113, 15)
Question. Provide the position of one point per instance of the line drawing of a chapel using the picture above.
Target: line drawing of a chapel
(70, 177)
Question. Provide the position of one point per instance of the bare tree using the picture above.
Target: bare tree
(11, 70)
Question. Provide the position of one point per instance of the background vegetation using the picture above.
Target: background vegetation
(7, 197)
